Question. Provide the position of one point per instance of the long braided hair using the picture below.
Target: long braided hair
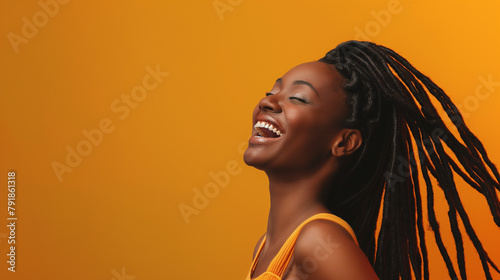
(390, 105)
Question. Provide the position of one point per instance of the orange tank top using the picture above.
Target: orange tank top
(279, 263)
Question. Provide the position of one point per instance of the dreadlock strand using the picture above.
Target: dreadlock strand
(462, 174)
(435, 225)
(415, 250)
(418, 200)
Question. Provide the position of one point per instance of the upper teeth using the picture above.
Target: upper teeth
(268, 126)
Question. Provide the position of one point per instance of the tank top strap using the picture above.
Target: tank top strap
(254, 262)
(281, 260)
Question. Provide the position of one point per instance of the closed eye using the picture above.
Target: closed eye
(291, 98)
(299, 99)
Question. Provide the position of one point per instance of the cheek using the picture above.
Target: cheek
(305, 124)
(312, 127)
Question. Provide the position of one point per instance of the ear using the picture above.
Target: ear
(346, 142)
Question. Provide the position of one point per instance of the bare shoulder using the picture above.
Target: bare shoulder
(325, 250)
(257, 246)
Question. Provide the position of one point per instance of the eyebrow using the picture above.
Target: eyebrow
(300, 82)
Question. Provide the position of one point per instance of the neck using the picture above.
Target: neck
(293, 200)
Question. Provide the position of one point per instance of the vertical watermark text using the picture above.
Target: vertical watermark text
(11, 220)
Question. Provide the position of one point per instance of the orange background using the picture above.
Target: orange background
(119, 207)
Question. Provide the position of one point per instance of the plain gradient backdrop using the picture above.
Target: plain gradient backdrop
(108, 148)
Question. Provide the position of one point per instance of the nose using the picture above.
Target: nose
(270, 103)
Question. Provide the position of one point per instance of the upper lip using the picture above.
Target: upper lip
(270, 120)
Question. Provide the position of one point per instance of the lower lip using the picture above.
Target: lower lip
(263, 140)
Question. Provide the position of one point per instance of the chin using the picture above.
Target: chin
(251, 158)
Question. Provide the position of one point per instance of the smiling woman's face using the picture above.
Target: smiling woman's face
(306, 108)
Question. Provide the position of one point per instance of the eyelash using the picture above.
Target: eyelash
(292, 97)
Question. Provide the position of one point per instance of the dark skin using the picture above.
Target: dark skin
(308, 105)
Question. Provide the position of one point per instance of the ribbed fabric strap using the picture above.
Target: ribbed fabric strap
(279, 263)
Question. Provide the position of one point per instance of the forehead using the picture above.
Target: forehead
(324, 77)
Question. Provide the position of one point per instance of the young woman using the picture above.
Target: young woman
(339, 140)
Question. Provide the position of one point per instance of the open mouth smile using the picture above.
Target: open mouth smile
(265, 129)
(265, 133)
